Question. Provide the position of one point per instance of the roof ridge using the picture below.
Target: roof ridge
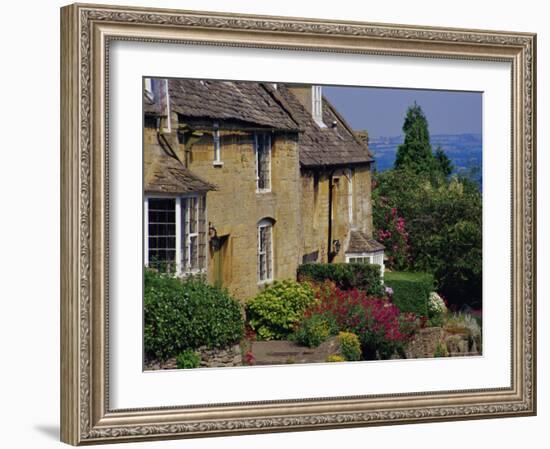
(280, 101)
(346, 125)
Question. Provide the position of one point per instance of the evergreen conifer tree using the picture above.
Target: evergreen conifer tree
(415, 153)
(443, 163)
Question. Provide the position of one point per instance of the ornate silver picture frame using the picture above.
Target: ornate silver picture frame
(87, 32)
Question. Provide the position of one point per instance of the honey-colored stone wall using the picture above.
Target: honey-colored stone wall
(298, 204)
(235, 209)
(315, 209)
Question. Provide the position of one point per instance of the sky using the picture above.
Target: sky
(381, 111)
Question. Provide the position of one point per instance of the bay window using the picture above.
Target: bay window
(175, 233)
(371, 257)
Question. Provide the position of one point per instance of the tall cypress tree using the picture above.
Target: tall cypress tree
(415, 152)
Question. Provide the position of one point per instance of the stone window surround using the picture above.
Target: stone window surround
(267, 142)
(267, 253)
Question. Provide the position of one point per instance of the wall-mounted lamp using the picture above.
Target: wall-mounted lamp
(336, 246)
(215, 241)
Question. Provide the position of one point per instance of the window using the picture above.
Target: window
(359, 260)
(262, 146)
(349, 175)
(194, 233)
(175, 234)
(162, 233)
(317, 105)
(376, 257)
(265, 251)
(217, 145)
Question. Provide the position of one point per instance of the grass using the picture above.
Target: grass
(405, 276)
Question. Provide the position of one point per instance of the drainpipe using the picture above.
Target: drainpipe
(330, 253)
(162, 141)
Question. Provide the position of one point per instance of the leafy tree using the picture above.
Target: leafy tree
(427, 220)
(443, 224)
(415, 153)
(443, 163)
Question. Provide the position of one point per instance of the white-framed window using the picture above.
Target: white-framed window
(349, 176)
(193, 210)
(265, 250)
(161, 233)
(262, 150)
(360, 259)
(375, 257)
(317, 105)
(175, 233)
(217, 145)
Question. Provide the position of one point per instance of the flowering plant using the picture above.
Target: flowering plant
(436, 305)
(249, 358)
(396, 240)
(378, 323)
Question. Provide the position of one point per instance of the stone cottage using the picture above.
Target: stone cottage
(244, 181)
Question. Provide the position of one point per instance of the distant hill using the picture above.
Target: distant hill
(464, 150)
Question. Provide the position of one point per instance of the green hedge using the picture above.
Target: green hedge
(346, 276)
(411, 291)
(181, 314)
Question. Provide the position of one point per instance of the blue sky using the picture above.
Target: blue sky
(381, 111)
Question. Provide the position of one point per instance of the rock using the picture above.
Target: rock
(424, 343)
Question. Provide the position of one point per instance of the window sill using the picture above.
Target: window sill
(260, 191)
(217, 163)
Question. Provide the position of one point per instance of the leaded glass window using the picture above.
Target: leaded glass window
(162, 233)
(262, 144)
(265, 251)
(176, 238)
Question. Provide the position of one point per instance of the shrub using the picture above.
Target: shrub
(395, 239)
(181, 314)
(335, 358)
(314, 330)
(346, 276)
(410, 290)
(350, 346)
(274, 313)
(463, 323)
(443, 220)
(436, 305)
(378, 323)
(436, 310)
(188, 359)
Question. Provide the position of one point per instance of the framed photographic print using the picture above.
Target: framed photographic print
(280, 224)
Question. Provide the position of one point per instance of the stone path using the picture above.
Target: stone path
(283, 352)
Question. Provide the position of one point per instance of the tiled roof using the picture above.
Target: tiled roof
(246, 102)
(334, 145)
(359, 242)
(150, 107)
(164, 173)
(262, 105)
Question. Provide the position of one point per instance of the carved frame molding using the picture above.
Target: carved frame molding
(87, 31)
